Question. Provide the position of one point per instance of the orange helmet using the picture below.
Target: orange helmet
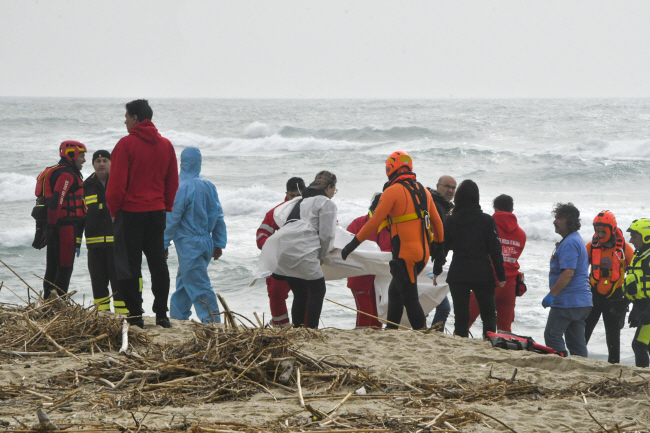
(70, 149)
(606, 220)
(397, 160)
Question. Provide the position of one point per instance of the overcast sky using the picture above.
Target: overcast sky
(325, 49)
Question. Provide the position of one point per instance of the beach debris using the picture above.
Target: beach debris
(44, 423)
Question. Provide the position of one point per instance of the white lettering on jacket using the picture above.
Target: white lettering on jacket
(63, 193)
(509, 242)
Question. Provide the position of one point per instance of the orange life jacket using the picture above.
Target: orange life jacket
(610, 274)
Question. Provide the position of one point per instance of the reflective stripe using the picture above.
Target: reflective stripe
(267, 227)
(280, 318)
(261, 235)
(140, 284)
(78, 240)
(99, 239)
(103, 304)
(91, 199)
(122, 310)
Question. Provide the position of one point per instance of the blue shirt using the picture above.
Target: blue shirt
(571, 254)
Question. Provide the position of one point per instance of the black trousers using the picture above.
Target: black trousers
(308, 298)
(402, 293)
(484, 292)
(136, 233)
(613, 325)
(101, 266)
(60, 260)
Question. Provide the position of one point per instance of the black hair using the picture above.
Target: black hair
(295, 184)
(140, 108)
(374, 201)
(569, 212)
(467, 193)
(503, 203)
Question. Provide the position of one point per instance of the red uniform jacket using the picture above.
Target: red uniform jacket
(513, 240)
(144, 172)
(366, 282)
(267, 228)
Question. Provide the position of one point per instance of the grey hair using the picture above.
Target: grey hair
(323, 179)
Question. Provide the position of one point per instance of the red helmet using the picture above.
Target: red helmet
(70, 149)
(397, 160)
(606, 220)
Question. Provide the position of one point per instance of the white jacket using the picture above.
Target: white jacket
(296, 250)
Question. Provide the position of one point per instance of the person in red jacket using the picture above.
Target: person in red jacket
(144, 181)
(60, 191)
(513, 240)
(363, 287)
(278, 290)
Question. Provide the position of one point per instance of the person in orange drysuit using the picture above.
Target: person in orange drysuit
(278, 290)
(407, 209)
(609, 256)
(363, 287)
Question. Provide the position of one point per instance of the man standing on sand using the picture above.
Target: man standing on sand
(59, 190)
(98, 229)
(278, 290)
(442, 197)
(570, 294)
(144, 180)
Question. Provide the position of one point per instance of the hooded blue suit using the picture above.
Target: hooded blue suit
(196, 226)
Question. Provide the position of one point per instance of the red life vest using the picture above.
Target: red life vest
(507, 340)
(73, 205)
(604, 267)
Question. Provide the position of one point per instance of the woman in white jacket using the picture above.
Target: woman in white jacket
(294, 253)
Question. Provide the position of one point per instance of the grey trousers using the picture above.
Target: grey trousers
(570, 323)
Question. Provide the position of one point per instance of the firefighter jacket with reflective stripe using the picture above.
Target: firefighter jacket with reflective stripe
(98, 225)
(637, 279)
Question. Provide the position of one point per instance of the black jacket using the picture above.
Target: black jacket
(443, 207)
(473, 236)
(98, 224)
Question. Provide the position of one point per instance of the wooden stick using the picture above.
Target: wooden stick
(258, 319)
(335, 408)
(125, 336)
(19, 277)
(183, 379)
(375, 317)
(38, 394)
(302, 400)
(407, 385)
(490, 416)
(10, 352)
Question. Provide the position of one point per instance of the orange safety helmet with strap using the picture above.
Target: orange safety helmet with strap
(397, 160)
(606, 270)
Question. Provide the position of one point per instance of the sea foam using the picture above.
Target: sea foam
(16, 187)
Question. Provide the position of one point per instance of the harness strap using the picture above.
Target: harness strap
(396, 220)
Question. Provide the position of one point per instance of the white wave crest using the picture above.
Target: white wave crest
(259, 129)
(18, 237)
(254, 201)
(612, 150)
(276, 143)
(16, 187)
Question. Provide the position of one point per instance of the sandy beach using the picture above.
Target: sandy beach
(410, 378)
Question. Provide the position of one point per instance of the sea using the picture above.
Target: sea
(594, 153)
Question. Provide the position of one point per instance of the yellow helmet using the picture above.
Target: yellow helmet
(641, 226)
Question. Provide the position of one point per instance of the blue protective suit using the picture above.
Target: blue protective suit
(196, 226)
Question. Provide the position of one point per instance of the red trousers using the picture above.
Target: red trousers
(504, 298)
(366, 302)
(278, 294)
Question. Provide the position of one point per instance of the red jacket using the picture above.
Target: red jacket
(513, 240)
(366, 282)
(267, 228)
(144, 172)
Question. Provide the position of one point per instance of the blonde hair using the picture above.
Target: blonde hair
(323, 179)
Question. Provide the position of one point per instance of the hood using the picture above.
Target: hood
(469, 212)
(146, 131)
(506, 221)
(190, 163)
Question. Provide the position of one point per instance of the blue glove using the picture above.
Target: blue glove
(78, 250)
(548, 300)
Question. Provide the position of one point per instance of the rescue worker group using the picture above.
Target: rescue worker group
(146, 205)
